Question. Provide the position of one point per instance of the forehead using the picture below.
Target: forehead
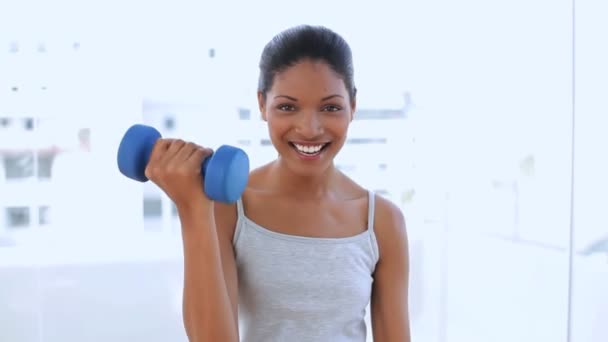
(309, 77)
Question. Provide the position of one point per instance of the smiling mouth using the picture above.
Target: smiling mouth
(309, 150)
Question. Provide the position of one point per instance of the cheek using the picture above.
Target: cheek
(338, 127)
(277, 128)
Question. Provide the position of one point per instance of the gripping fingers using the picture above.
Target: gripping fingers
(158, 153)
(160, 147)
(186, 151)
(198, 155)
(172, 151)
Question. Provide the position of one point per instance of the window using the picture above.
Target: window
(152, 207)
(44, 215)
(362, 141)
(45, 164)
(380, 114)
(5, 123)
(346, 168)
(17, 217)
(19, 165)
(244, 114)
(169, 123)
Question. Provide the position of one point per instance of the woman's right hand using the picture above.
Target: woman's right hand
(175, 166)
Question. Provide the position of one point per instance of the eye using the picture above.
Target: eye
(332, 108)
(286, 107)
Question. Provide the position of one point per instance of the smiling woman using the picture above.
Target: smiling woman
(306, 249)
(311, 244)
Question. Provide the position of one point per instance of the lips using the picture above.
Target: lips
(309, 149)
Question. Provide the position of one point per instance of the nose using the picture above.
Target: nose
(309, 125)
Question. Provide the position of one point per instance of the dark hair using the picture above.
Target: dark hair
(316, 43)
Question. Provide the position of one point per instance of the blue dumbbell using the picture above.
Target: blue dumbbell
(225, 172)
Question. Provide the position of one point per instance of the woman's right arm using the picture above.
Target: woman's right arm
(209, 303)
(208, 300)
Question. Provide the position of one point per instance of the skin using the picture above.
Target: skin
(308, 104)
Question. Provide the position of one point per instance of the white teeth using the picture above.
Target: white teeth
(309, 149)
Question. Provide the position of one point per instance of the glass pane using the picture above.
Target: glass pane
(489, 218)
(590, 236)
(18, 217)
(18, 165)
(43, 215)
(45, 164)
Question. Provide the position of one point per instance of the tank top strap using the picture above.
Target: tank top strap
(239, 208)
(239, 221)
(371, 209)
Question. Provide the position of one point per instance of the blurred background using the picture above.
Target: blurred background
(483, 120)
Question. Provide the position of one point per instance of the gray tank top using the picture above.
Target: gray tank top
(296, 288)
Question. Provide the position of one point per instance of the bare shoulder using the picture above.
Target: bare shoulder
(351, 188)
(390, 302)
(389, 223)
(226, 213)
(257, 177)
(390, 227)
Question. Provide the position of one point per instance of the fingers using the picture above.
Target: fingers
(191, 154)
(158, 151)
(175, 146)
(175, 155)
(198, 155)
(186, 151)
(157, 154)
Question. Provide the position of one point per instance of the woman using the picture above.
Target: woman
(305, 249)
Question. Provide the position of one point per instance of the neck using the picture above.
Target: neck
(312, 187)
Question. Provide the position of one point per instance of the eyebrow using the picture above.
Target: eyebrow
(296, 100)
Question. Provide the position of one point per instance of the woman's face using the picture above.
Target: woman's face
(308, 111)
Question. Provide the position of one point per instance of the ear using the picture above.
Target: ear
(262, 105)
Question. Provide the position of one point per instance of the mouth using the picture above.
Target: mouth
(309, 150)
